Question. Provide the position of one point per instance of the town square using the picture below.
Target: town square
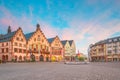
(59, 71)
(59, 40)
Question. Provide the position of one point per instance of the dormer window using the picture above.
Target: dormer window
(110, 40)
(115, 39)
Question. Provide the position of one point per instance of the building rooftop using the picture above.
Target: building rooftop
(7, 37)
(50, 40)
(28, 35)
(70, 41)
(63, 42)
(109, 40)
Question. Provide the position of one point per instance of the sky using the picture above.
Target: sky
(84, 21)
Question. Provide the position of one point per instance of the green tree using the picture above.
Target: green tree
(81, 58)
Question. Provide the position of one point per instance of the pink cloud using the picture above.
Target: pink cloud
(97, 31)
(9, 19)
(48, 30)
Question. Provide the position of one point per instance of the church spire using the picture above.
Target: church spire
(9, 29)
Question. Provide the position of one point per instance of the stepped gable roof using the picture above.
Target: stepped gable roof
(7, 37)
(63, 42)
(50, 40)
(28, 35)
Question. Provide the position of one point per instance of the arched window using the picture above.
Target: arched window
(20, 58)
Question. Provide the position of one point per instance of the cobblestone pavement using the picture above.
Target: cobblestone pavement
(59, 71)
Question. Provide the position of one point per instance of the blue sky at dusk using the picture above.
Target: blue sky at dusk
(85, 21)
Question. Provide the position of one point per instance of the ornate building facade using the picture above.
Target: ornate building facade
(69, 50)
(105, 50)
(56, 49)
(33, 46)
(37, 45)
(13, 46)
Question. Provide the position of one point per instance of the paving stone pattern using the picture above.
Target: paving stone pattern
(60, 71)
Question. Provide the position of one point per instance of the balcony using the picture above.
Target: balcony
(43, 51)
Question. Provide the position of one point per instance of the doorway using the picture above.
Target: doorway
(41, 58)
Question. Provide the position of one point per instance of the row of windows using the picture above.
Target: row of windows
(4, 50)
(36, 46)
(114, 40)
(118, 43)
(114, 51)
(19, 44)
(19, 50)
(19, 39)
(4, 44)
(38, 39)
(57, 44)
(36, 49)
(57, 52)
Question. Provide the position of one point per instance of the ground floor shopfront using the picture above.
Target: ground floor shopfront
(108, 58)
(33, 56)
(69, 58)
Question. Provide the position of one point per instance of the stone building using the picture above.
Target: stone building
(105, 50)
